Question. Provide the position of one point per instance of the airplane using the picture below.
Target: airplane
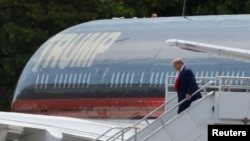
(117, 68)
(231, 52)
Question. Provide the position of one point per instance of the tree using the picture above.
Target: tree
(26, 24)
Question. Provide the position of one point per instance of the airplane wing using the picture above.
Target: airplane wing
(31, 127)
(234, 53)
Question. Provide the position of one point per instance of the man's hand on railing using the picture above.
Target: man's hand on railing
(188, 96)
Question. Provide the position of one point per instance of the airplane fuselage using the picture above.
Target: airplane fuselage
(117, 68)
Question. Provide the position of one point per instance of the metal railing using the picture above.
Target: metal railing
(164, 104)
(220, 83)
(119, 134)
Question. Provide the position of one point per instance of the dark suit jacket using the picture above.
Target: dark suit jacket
(187, 85)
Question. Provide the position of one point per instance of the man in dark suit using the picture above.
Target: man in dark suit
(185, 85)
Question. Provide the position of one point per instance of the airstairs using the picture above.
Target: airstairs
(225, 100)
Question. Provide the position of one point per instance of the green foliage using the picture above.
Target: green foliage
(26, 24)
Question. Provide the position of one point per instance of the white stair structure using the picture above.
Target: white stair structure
(229, 104)
(28, 127)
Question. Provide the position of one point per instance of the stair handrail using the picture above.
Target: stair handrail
(121, 132)
(165, 103)
(126, 129)
(210, 82)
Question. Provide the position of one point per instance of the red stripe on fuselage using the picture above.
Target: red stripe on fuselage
(91, 107)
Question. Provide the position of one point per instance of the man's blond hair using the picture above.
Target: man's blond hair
(178, 60)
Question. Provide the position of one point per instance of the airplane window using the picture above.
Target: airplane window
(237, 75)
(242, 74)
(167, 79)
(79, 80)
(46, 81)
(217, 73)
(226, 81)
(65, 80)
(202, 76)
(37, 79)
(60, 80)
(141, 79)
(104, 75)
(84, 80)
(127, 79)
(232, 81)
(122, 79)
(173, 77)
(132, 79)
(156, 79)
(74, 81)
(41, 83)
(117, 79)
(151, 79)
(70, 81)
(212, 74)
(55, 82)
(112, 80)
(88, 81)
(197, 75)
(205, 76)
(161, 79)
(222, 74)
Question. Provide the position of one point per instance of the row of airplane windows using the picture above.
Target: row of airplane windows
(122, 79)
